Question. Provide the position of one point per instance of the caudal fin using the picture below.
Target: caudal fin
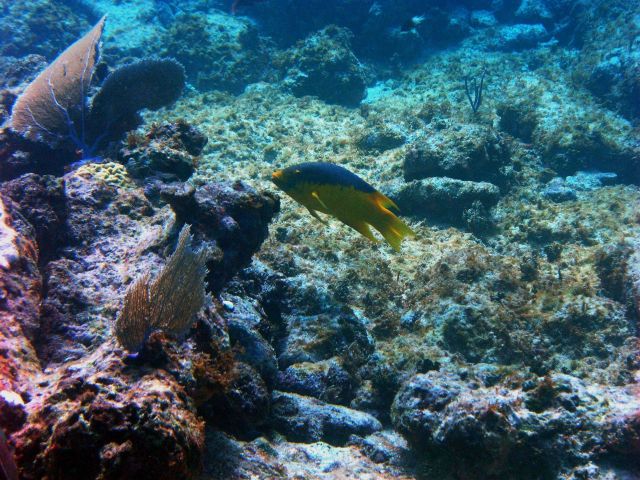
(391, 227)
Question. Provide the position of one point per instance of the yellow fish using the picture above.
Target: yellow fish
(334, 190)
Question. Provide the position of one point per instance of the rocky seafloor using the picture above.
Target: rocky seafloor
(500, 343)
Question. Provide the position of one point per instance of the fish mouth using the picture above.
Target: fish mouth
(276, 176)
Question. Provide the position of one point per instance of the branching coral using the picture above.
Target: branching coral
(167, 303)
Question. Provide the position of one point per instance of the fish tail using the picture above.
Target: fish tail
(392, 228)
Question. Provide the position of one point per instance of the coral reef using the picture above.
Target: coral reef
(500, 342)
(324, 66)
(218, 52)
(169, 151)
(52, 112)
(40, 27)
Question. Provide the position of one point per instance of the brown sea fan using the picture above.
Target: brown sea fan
(49, 107)
(167, 303)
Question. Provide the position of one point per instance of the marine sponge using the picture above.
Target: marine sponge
(167, 303)
(148, 83)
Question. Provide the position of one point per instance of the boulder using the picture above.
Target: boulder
(520, 36)
(305, 419)
(324, 66)
(445, 199)
(462, 151)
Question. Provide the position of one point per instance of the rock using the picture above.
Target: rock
(616, 80)
(444, 199)
(305, 419)
(633, 274)
(312, 338)
(533, 11)
(622, 437)
(21, 295)
(42, 203)
(380, 138)
(96, 421)
(577, 148)
(218, 51)
(518, 118)
(170, 150)
(520, 36)
(558, 191)
(509, 432)
(19, 156)
(465, 152)
(602, 326)
(242, 325)
(326, 380)
(324, 66)
(15, 71)
(273, 458)
(416, 407)
(587, 181)
(242, 407)
(13, 413)
(386, 446)
(36, 27)
(230, 217)
(110, 234)
(483, 19)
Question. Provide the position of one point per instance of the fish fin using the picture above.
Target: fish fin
(315, 215)
(384, 201)
(392, 228)
(363, 229)
(317, 197)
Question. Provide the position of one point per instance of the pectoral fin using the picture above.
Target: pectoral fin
(317, 197)
(315, 215)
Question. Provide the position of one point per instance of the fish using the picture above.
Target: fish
(241, 3)
(412, 23)
(333, 190)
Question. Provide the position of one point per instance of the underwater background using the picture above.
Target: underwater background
(173, 306)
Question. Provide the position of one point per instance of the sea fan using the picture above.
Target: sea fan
(54, 108)
(54, 104)
(167, 303)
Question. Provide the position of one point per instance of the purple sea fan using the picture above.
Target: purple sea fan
(54, 104)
